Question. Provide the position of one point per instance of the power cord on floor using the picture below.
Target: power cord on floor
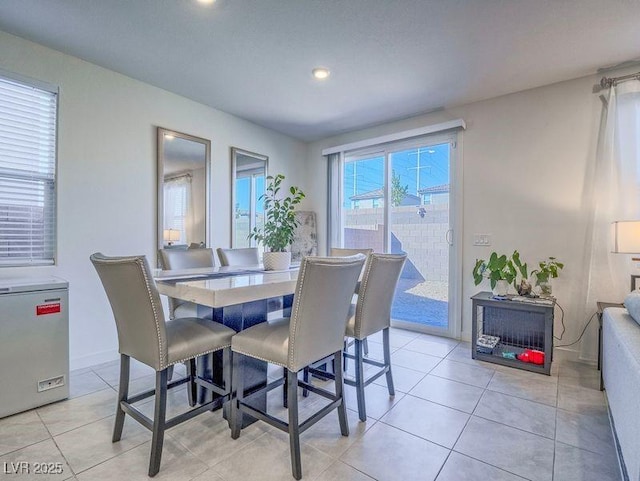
(581, 334)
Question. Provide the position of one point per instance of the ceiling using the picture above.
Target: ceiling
(389, 59)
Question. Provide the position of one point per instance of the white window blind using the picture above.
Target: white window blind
(27, 174)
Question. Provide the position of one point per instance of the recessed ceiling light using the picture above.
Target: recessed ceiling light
(169, 136)
(206, 2)
(320, 73)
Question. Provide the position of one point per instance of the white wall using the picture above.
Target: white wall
(107, 174)
(525, 158)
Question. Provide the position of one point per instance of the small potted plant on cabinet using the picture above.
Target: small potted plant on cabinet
(280, 223)
(547, 270)
(524, 286)
(500, 270)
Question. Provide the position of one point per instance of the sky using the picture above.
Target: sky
(243, 186)
(417, 168)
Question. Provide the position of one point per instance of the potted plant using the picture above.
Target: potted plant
(524, 286)
(500, 270)
(548, 269)
(280, 223)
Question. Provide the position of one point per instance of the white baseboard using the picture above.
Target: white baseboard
(93, 359)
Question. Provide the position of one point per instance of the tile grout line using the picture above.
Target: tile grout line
(73, 473)
(440, 404)
(555, 428)
(492, 465)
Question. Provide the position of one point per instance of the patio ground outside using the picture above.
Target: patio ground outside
(421, 302)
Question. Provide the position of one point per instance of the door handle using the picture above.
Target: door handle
(449, 237)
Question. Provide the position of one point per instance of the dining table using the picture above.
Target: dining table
(237, 297)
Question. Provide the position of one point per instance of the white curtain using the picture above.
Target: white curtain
(615, 196)
(178, 211)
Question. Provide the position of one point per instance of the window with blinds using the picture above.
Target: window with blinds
(28, 116)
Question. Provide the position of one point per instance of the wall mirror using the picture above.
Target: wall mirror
(248, 176)
(183, 190)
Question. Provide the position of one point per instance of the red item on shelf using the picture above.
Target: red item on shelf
(532, 356)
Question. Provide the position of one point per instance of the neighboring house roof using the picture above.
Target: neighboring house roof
(436, 189)
(409, 199)
(372, 194)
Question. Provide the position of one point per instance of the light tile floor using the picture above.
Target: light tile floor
(452, 419)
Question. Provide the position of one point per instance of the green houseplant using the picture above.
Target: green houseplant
(548, 269)
(524, 286)
(280, 223)
(499, 269)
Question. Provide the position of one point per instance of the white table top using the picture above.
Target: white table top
(243, 284)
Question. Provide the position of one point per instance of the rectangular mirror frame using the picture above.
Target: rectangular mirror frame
(161, 132)
(234, 153)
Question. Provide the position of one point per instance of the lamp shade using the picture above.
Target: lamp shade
(171, 235)
(626, 237)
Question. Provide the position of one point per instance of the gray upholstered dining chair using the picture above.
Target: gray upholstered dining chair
(246, 256)
(174, 259)
(342, 252)
(371, 314)
(144, 335)
(315, 331)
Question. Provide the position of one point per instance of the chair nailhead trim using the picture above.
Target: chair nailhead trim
(259, 358)
(162, 355)
(198, 355)
(294, 313)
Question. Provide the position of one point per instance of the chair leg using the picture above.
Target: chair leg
(123, 394)
(238, 389)
(305, 378)
(294, 427)
(362, 409)
(344, 358)
(158, 422)
(342, 409)
(387, 361)
(227, 363)
(365, 343)
(192, 388)
(284, 388)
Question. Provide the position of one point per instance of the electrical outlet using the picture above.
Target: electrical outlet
(482, 240)
(51, 383)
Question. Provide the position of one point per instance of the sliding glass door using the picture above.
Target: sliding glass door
(399, 200)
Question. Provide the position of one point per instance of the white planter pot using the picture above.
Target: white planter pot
(276, 261)
(501, 289)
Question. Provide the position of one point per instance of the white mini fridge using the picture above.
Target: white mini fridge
(34, 343)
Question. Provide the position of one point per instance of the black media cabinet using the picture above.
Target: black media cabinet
(519, 324)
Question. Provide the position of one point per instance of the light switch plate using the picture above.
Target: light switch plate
(482, 240)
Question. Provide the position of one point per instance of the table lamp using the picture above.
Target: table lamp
(626, 240)
(170, 236)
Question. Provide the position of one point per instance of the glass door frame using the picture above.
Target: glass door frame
(455, 218)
